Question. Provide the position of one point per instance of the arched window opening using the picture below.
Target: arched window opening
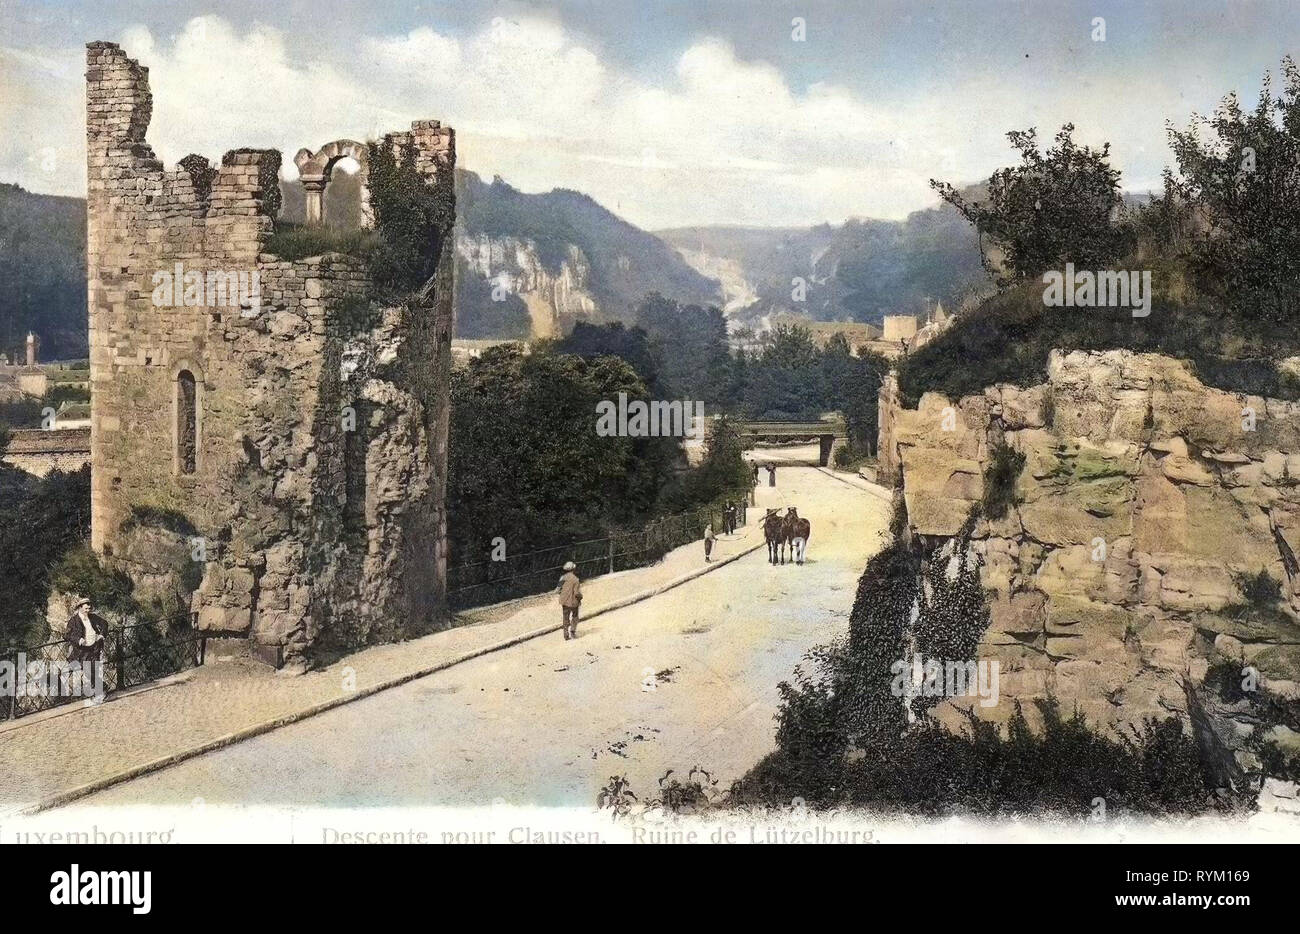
(187, 422)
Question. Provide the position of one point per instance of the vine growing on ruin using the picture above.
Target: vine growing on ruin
(413, 217)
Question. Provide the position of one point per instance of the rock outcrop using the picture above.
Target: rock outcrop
(513, 264)
(1147, 504)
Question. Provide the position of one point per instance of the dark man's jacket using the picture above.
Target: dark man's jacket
(75, 630)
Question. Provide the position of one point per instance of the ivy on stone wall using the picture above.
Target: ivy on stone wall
(201, 173)
(413, 216)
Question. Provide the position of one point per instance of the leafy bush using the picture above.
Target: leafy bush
(57, 394)
(1261, 591)
(170, 519)
(20, 413)
(843, 737)
(80, 572)
(1236, 683)
(413, 218)
(44, 518)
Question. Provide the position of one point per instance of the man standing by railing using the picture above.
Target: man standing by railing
(570, 598)
(85, 634)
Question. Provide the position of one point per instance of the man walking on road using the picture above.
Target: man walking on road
(709, 539)
(570, 597)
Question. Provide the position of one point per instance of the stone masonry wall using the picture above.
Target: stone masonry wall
(287, 559)
(1132, 453)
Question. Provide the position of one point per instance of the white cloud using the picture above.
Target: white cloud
(718, 139)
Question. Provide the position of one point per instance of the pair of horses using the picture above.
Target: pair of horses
(782, 532)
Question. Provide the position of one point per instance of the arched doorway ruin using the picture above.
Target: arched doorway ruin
(314, 171)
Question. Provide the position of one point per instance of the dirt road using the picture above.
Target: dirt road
(682, 679)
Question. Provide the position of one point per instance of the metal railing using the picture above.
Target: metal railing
(533, 572)
(133, 654)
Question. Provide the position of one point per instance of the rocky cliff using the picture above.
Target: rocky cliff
(1129, 562)
(534, 264)
(512, 266)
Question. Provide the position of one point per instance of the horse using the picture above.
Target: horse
(774, 533)
(797, 532)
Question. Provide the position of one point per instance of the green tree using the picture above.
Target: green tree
(630, 344)
(1240, 172)
(787, 381)
(1057, 206)
(526, 463)
(43, 518)
(690, 349)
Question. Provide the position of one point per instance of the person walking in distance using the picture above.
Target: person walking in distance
(709, 539)
(570, 598)
(771, 475)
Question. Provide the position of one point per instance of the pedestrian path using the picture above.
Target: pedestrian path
(55, 759)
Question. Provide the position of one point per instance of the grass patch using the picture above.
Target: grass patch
(297, 241)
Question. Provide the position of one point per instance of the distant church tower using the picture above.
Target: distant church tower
(32, 343)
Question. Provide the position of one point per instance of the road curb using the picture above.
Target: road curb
(875, 489)
(62, 798)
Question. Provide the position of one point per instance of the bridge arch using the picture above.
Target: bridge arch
(827, 432)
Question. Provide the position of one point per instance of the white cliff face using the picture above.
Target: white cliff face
(1116, 580)
(737, 291)
(514, 264)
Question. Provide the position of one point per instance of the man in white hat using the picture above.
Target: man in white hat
(570, 597)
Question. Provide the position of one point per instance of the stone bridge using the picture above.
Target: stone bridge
(827, 432)
(38, 451)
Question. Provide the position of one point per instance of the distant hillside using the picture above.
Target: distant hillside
(860, 271)
(42, 273)
(527, 265)
(563, 256)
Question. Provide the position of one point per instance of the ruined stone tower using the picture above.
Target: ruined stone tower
(268, 431)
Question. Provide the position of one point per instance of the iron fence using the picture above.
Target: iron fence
(534, 572)
(133, 653)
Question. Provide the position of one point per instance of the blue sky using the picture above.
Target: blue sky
(669, 113)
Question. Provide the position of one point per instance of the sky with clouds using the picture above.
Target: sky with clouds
(670, 113)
